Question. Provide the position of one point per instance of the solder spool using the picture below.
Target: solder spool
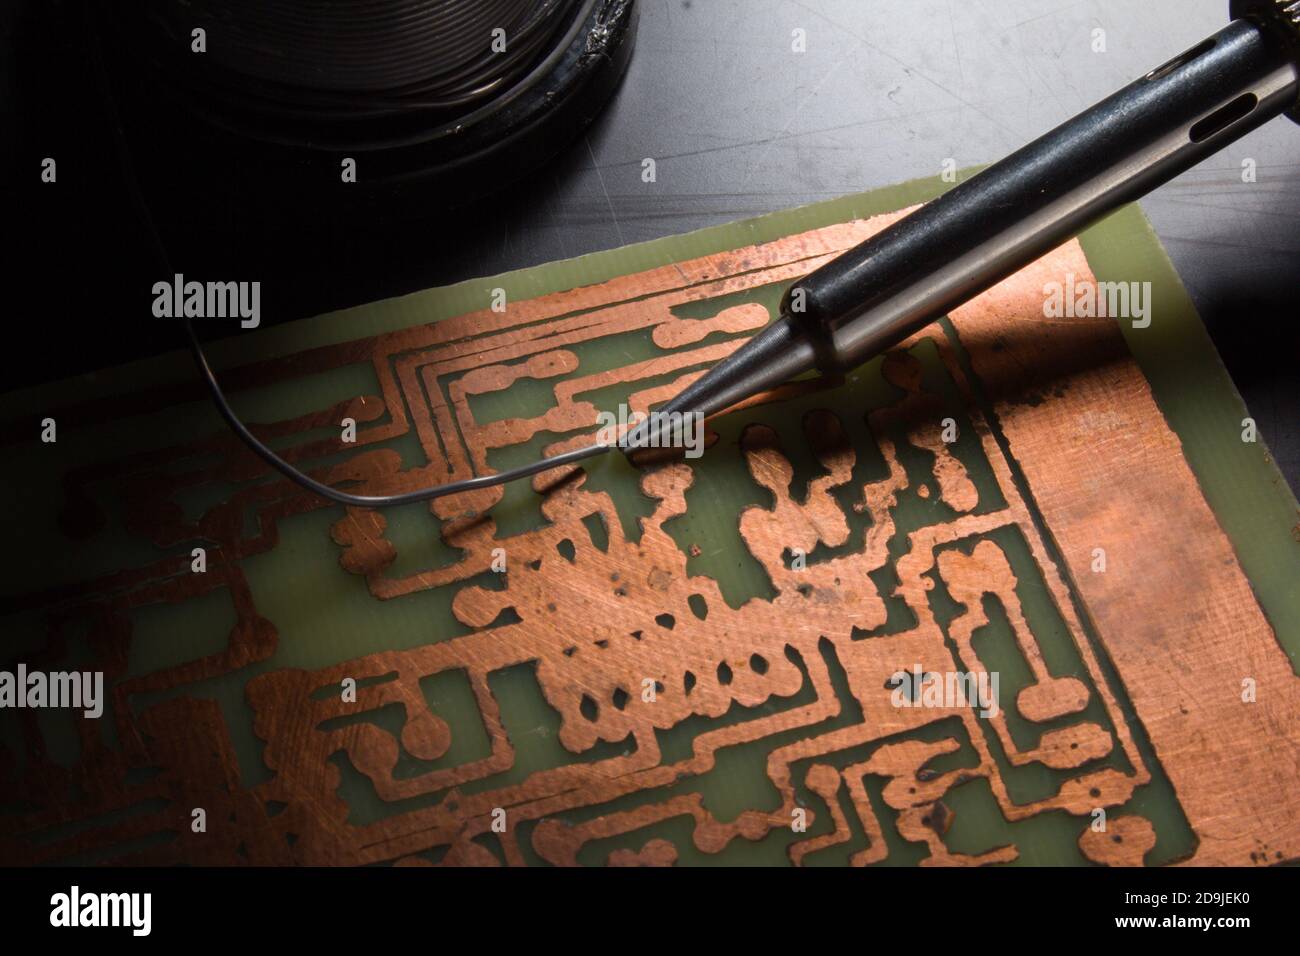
(437, 101)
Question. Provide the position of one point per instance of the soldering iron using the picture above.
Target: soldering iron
(915, 271)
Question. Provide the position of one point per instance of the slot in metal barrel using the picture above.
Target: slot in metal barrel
(986, 228)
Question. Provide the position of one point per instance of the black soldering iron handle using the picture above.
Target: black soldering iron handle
(988, 227)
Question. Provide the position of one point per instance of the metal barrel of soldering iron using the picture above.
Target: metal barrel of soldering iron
(879, 292)
(988, 227)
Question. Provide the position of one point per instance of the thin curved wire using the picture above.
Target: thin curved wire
(370, 501)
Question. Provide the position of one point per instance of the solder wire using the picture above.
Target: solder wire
(371, 501)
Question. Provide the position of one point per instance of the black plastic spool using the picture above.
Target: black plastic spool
(408, 162)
